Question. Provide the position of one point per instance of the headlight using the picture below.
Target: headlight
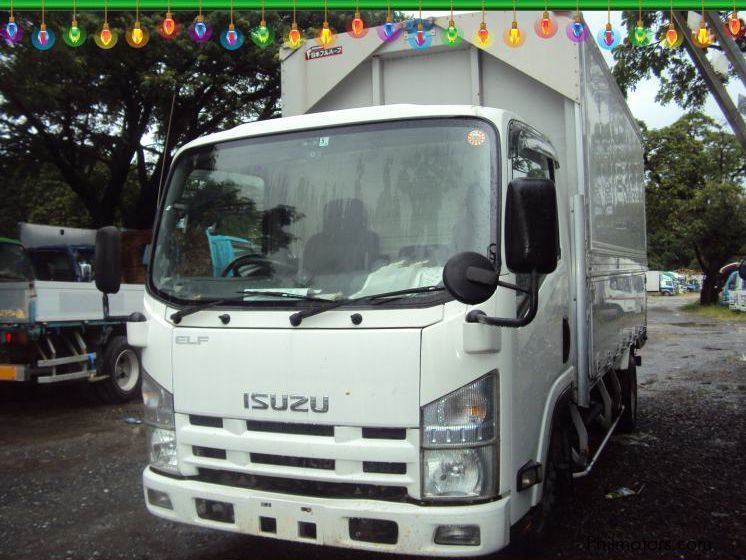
(159, 416)
(459, 433)
(159, 403)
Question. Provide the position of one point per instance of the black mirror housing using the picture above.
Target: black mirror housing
(470, 278)
(107, 258)
(531, 226)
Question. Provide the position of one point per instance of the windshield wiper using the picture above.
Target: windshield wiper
(177, 316)
(297, 318)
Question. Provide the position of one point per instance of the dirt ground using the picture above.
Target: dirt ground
(70, 469)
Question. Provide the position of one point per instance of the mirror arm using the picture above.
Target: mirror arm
(478, 316)
(105, 298)
(513, 287)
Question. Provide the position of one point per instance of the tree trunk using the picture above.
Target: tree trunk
(710, 290)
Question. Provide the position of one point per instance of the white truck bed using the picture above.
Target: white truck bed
(56, 302)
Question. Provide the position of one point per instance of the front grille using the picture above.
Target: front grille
(300, 462)
(384, 433)
(313, 488)
(289, 428)
(209, 452)
(207, 421)
(384, 468)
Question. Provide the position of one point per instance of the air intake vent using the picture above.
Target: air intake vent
(209, 452)
(208, 421)
(285, 461)
(384, 433)
(290, 428)
(384, 468)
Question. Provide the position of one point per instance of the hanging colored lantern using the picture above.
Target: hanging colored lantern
(137, 37)
(701, 37)
(168, 28)
(74, 36)
(43, 39)
(419, 34)
(200, 31)
(640, 36)
(734, 26)
(106, 38)
(609, 38)
(672, 39)
(452, 35)
(294, 38)
(577, 31)
(483, 38)
(356, 27)
(546, 26)
(231, 38)
(389, 31)
(262, 36)
(326, 36)
(12, 32)
(514, 36)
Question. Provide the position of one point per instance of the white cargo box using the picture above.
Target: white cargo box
(561, 88)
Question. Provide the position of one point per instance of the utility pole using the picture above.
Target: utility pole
(712, 80)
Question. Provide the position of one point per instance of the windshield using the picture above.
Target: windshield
(333, 213)
(14, 264)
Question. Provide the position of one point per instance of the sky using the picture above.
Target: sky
(642, 101)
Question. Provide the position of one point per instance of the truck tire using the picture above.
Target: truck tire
(121, 365)
(628, 381)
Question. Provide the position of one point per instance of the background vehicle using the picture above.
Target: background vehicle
(421, 345)
(53, 326)
(728, 287)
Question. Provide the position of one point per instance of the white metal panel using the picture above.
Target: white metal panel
(81, 301)
(426, 76)
(371, 377)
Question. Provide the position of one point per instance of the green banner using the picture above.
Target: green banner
(347, 5)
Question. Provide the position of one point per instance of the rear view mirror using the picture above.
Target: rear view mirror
(531, 228)
(470, 278)
(742, 270)
(107, 259)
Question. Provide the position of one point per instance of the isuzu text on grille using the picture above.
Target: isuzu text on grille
(297, 403)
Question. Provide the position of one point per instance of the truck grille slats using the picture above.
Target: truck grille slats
(301, 458)
(290, 428)
(312, 488)
(301, 462)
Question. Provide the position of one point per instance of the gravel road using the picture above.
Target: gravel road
(70, 469)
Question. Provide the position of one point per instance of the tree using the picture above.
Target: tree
(680, 80)
(696, 204)
(97, 119)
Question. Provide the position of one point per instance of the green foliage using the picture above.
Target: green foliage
(96, 120)
(696, 205)
(679, 80)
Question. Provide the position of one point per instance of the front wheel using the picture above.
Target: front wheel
(121, 365)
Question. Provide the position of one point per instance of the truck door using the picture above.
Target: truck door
(543, 346)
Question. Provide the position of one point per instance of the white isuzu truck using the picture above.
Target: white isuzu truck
(384, 320)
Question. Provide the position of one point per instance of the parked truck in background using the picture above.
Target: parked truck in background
(417, 348)
(53, 323)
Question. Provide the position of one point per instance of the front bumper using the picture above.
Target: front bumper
(331, 517)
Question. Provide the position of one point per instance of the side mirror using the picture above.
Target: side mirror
(531, 228)
(107, 259)
(470, 278)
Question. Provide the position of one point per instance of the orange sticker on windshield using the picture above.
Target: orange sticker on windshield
(476, 137)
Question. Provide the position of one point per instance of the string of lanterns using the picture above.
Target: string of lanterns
(418, 31)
